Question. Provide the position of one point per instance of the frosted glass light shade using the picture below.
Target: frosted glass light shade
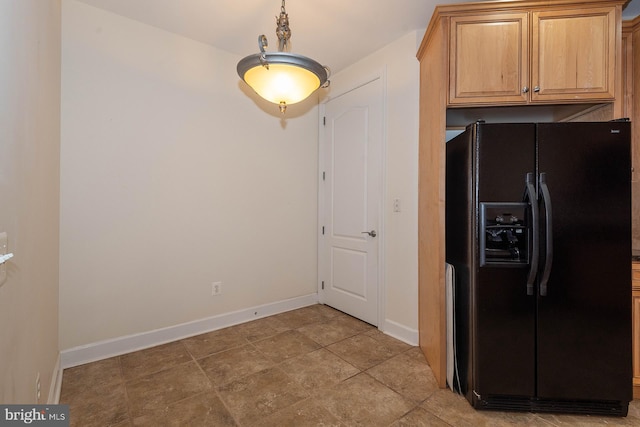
(289, 78)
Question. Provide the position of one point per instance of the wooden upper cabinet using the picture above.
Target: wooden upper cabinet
(573, 55)
(627, 70)
(529, 57)
(633, 88)
(489, 58)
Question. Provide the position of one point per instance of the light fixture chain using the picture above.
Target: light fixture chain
(282, 30)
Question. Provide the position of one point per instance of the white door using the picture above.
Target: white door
(350, 201)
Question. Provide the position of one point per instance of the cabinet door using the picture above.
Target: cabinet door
(636, 342)
(635, 119)
(627, 72)
(573, 55)
(488, 59)
(635, 271)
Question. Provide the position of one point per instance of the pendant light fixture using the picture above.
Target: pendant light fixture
(281, 77)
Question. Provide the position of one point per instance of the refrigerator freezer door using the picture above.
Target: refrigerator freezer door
(584, 320)
(504, 317)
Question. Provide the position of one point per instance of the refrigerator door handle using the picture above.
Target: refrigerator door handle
(548, 234)
(530, 193)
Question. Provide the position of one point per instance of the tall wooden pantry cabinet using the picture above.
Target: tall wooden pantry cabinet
(558, 58)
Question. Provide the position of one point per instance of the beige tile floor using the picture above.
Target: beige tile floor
(309, 367)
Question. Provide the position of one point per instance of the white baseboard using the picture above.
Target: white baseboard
(56, 384)
(401, 332)
(127, 344)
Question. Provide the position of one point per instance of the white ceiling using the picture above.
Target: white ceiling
(335, 33)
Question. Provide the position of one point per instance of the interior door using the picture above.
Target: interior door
(350, 204)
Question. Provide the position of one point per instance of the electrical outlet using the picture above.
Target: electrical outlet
(216, 288)
(38, 387)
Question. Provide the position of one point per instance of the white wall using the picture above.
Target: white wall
(172, 177)
(29, 196)
(398, 60)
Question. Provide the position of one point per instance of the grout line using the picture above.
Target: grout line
(120, 369)
(130, 416)
(214, 389)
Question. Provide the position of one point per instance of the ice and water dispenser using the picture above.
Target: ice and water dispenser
(503, 234)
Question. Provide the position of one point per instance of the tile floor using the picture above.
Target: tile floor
(309, 367)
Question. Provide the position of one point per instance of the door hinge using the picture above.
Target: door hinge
(323, 230)
(323, 285)
(324, 121)
(323, 176)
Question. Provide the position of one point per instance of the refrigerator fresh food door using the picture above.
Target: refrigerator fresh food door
(584, 297)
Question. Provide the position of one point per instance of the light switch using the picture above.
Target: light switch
(3, 251)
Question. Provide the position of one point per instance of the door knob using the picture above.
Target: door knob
(371, 233)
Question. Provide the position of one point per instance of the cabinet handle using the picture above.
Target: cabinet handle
(525, 89)
(536, 89)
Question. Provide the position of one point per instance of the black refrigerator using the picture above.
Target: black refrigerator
(538, 231)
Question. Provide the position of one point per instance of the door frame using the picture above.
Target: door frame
(343, 89)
